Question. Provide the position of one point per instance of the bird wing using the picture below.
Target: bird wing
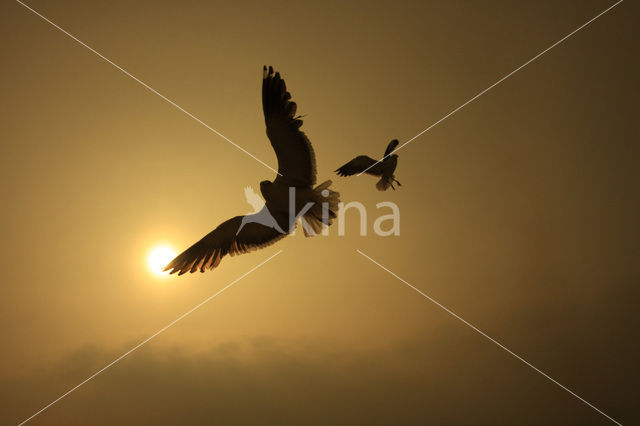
(225, 239)
(392, 145)
(296, 159)
(357, 165)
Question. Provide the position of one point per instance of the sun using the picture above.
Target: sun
(158, 259)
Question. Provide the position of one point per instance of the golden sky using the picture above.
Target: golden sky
(519, 213)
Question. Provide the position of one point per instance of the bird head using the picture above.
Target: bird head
(264, 186)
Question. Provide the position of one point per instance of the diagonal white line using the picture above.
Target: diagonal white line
(148, 339)
(151, 89)
(498, 82)
(501, 346)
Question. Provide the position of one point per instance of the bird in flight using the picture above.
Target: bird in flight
(368, 165)
(316, 207)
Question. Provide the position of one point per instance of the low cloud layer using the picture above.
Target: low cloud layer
(269, 381)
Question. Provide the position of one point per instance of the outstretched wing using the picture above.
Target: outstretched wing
(206, 253)
(296, 159)
(358, 165)
(392, 145)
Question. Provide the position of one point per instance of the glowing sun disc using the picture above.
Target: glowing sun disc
(158, 259)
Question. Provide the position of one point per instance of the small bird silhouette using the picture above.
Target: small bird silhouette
(368, 165)
(296, 169)
(253, 199)
(260, 213)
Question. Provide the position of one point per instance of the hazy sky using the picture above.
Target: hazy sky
(519, 213)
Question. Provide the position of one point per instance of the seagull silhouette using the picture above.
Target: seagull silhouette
(384, 168)
(296, 174)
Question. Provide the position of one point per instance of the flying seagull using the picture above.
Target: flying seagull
(384, 168)
(296, 174)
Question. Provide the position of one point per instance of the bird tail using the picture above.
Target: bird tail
(323, 211)
(384, 183)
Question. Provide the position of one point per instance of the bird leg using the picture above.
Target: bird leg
(397, 181)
